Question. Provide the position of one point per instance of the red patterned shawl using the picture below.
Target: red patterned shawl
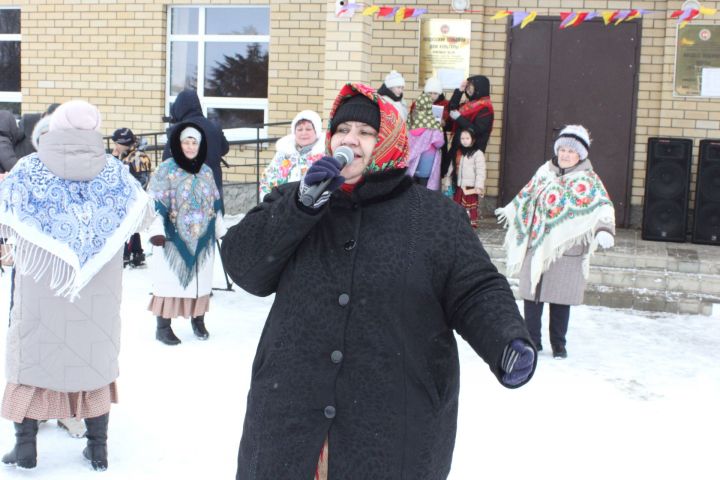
(391, 150)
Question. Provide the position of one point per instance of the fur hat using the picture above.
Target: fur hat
(124, 136)
(310, 116)
(75, 115)
(190, 132)
(357, 108)
(575, 137)
(433, 85)
(394, 79)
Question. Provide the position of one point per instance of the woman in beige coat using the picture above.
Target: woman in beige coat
(70, 207)
(555, 224)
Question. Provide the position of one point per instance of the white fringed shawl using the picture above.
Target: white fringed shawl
(69, 229)
(550, 215)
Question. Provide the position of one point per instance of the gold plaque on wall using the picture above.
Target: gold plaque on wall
(697, 61)
(445, 51)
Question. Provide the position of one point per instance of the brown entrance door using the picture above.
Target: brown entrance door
(585, 75)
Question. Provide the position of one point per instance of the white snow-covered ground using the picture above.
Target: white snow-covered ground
(638, 398)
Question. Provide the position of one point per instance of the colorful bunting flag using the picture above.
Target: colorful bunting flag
(528, 19)
(518, 18)
(386, 11)
(608, 17)
(371, 10)
(400, 15)
(501, 14)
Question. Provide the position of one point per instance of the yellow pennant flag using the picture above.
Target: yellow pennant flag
(500, 14)
(683, 23)
(371, 10)
(400, 15)
(528, 19)
(607, 17)
(708, 11)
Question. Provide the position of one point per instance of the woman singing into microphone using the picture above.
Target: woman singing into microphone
(357, 375)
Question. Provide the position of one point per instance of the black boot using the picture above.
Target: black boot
(198, 326)
(96, 450)
(164, 332)
(25, 452)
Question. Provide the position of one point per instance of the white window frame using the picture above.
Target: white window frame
(11, 97)
(216, 102)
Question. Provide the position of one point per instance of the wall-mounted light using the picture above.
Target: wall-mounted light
(460, 5)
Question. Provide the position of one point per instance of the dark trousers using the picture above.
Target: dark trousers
(134, 245)
(559, 320)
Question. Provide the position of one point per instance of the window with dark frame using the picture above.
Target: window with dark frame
(10, 93)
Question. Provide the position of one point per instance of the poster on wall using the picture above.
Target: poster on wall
(697, 60)
(445, 51)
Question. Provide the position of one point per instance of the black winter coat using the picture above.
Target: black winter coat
(358, 346)
(9, 136)
(187, 108)
(481, 125)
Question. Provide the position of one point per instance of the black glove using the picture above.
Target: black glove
(517, 362)
(326, 167)
(158, 240)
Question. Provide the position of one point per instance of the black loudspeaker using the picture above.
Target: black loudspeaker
(706, 225)
(667, 184)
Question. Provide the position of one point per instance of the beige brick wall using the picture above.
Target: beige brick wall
(70, 49)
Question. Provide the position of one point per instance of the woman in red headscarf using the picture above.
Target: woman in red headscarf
(357, 365)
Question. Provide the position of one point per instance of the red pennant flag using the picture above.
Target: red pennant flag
(385, 11)
(408, 12)
(676, 13)
(564, 15)
(580, 18)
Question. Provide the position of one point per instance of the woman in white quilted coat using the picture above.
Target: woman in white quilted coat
(71, 208)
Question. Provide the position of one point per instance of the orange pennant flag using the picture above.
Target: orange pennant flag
(408, 12)
(400, 15)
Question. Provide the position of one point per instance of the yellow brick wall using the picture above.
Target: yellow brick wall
(112, 53)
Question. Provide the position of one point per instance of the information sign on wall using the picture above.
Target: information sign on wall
(697, 61)
(445, 51)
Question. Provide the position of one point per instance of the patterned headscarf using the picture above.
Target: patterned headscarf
(391, 150)
(422, 116)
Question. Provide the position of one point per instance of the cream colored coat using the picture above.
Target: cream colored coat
(472, 171)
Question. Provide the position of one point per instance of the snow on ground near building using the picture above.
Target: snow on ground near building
(638, 398)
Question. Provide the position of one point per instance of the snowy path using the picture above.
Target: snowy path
(638, 398)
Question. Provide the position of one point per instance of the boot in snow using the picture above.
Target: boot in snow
(164, 332)
(24, 454)
(96, 450)
(198, 326)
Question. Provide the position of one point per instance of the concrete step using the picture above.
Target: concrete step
(647, 289)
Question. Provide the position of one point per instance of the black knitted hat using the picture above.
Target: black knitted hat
(123, 136)
(357, 108)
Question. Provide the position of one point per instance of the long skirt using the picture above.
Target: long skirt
(24, 401)
(470, 204)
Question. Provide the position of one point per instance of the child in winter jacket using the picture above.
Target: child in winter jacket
(467, 174)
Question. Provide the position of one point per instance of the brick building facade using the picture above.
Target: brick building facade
(115, 55)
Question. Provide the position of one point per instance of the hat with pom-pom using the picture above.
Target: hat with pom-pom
(433, 85)
(575, 137)
(394, 79)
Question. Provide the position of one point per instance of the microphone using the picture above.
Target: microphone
(344, 155)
